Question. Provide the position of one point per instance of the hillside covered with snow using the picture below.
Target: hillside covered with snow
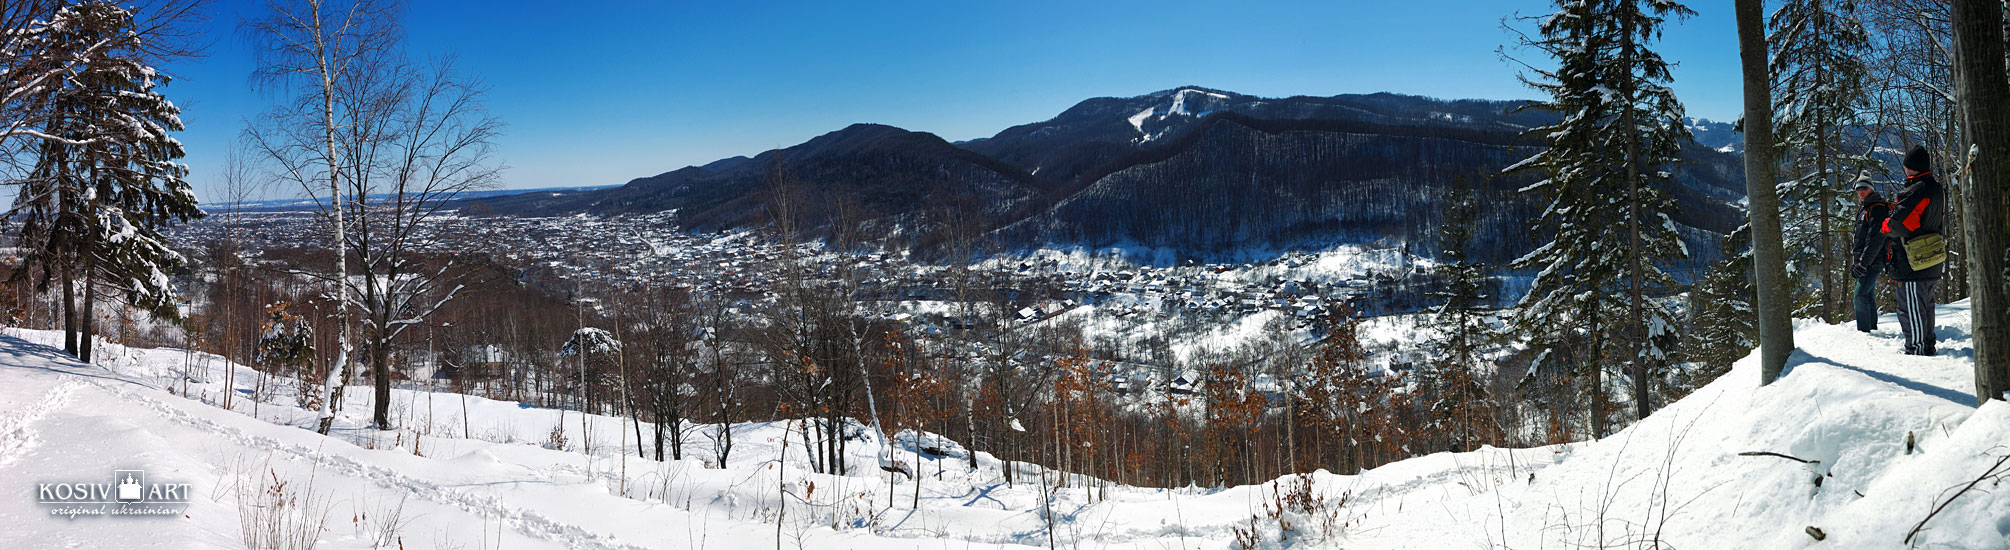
(1866, 447)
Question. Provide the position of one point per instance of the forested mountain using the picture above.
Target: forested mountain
(1191, 169)
(1087, 139)
(882, 170)
(1236, 181)
(1719, 136)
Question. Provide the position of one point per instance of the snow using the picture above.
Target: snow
(1228, 336)
(1138, 120)
(1179, 101)
(596, 342)
(1848, 401)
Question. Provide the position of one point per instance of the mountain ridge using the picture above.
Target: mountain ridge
(1017, 178)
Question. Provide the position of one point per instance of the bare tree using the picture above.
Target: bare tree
(807, 332)
(382, 146)
(313, 48)
(425, 144)
(1982, 86)
(1776, 329)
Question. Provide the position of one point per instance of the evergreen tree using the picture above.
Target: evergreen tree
(1460, 411)
(286, 347)
(107, 180)
(1609, 161)
(1818, 74)
(1722, 316)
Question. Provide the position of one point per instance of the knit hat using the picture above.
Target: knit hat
(1862, 181)
(1916, 160)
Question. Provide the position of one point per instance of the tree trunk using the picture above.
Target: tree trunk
(1823, 193)
(970, 429)
(1595, 375)
(380, 358)
(1982, 87)
(69, 313)
(331, 391)
(1775, 307)
(723, 445)
(1823, 196)
(659, 438)
(636, 420)
(1636, 321)
(1290, 425)
(676, 422)
(89, 321)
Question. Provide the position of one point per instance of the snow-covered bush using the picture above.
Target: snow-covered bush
(1296, 511)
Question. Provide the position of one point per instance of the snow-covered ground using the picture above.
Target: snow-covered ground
(477, 473)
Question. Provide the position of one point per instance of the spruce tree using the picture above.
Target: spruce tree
(107, 180)
(1721, 313)
(1651, 133)
(1609, 161)
(1818, 74)
(48, 207)
(1459, 410)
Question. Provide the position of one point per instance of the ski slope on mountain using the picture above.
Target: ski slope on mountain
(477, 473)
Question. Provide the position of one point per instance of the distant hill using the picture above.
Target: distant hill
(883, 170)
(1195, 170)
(1718, 136)
(1097, 132)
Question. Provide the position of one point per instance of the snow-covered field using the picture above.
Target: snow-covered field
(486, 477)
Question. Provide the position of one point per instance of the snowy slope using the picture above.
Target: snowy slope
(473, 480)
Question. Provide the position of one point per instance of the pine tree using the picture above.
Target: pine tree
(286, 347)
(107, 181)
(1609, 162)
(1460, 410)
(1725, 328)
(1818, 74)
(595, 349)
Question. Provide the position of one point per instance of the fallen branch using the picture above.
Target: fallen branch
(1770, 453)
(1992, 472)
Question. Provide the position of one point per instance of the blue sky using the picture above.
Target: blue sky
(599, 93)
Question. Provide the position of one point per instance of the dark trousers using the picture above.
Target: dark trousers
(1915, 316)
(1866, 302)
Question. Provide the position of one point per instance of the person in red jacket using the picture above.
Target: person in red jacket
(1919, 209)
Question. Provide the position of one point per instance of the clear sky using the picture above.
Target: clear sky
(597, 93)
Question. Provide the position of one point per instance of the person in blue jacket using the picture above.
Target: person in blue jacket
(1867, 252)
